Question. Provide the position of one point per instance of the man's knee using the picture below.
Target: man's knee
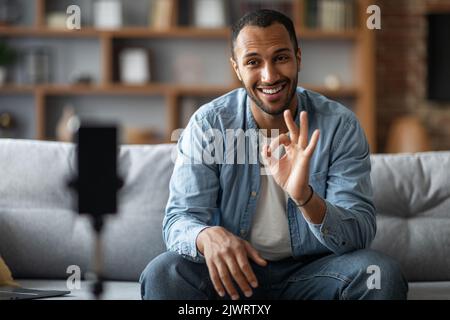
(167, 274)
(379, 276)
(158, 273)
(393, 284)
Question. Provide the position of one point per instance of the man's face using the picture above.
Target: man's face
(267, 65)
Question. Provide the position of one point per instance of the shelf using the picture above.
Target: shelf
(343, 92)
(306, 33)
(201, 90)
(155, 89)
(135, 32)
(45, 32)
(119, 89)
(150, 89)
(16, 89)
(179, 32)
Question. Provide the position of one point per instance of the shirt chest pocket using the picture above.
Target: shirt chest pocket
(318, 181)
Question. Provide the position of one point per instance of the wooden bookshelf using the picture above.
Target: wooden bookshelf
(362, 92)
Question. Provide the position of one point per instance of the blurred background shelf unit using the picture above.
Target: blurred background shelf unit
(188, 54)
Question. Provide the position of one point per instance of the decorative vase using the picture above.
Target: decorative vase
(108, 14)
(134, 66)
(408, 134)
(67, 124)
(209, 14)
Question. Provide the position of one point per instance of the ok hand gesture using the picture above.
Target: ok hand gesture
(291, 171)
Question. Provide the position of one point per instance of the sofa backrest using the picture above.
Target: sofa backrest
(40, 235)
(412, 197)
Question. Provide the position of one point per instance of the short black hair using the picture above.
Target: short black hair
(263, 18)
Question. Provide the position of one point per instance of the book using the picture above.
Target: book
(349, 14)
(334, 15)
(311, 14)
(282, 6)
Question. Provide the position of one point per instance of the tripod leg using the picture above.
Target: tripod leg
(97, 288)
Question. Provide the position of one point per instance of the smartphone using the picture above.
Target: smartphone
(97, 182)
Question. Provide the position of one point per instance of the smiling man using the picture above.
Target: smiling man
(295, 225)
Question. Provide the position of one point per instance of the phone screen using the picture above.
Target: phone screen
(97, 170)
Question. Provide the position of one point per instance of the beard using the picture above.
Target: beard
(292, 86)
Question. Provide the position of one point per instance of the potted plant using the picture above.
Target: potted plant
(7, 57)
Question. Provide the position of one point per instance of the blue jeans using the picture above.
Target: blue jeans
(171, 277)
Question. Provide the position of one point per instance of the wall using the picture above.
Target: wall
(401, 71)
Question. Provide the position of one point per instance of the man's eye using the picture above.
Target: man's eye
(252, 63)
(281, 58)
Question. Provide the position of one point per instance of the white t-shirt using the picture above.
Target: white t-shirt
(269, 233)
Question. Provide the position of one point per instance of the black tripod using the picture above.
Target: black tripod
(97, 185)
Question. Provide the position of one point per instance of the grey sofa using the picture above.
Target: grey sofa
(40, 237)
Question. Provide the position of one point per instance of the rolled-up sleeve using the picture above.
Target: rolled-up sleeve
(194, 186)
(349, 222)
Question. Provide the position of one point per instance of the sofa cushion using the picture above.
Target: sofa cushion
(412, 198)
(41, 235)
(433, 290)
(41, 243)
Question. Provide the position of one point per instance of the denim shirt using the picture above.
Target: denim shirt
(212, 193)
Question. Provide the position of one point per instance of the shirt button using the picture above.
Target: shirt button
(325, 231)
(253, 193)
(243, 232)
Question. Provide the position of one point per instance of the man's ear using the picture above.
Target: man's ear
(299, 59)
(235, 68)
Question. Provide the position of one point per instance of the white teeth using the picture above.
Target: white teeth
(272, 91)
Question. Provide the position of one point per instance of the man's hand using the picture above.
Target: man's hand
(227, 256)
(291, 172)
